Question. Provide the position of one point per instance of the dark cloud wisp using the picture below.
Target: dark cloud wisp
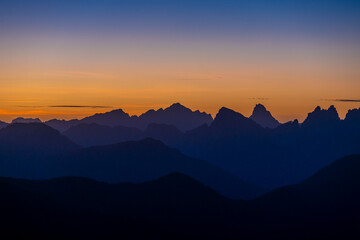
(344, 100)
(79, 106)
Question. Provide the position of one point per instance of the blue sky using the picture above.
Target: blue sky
(187, 18)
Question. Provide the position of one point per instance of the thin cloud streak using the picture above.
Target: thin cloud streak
(344, 100)
(259, 98)
(78, 106)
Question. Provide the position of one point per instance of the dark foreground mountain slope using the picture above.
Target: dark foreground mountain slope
(148, 159)
(325, 206)
(174, 206)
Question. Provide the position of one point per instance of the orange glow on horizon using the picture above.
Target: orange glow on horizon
(289, 78)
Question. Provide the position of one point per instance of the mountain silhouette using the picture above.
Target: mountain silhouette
(148, 159)
(229, 122)
(26, 120)
(272, 157)
(262, 156)
(112, 118)
(72, 208)
(27, 150)
(92, 134)
(263, 117)
(324, 206)
(62, 125)
(288, 127)
(353, 116)
(35, 150)
(3, 124)
(322, 117)
(34, 136)
(178, 115)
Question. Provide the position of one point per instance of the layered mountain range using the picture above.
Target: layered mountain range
(250, 149)
(178, 115)
(37, 151)
(164, 178)
(324, 206)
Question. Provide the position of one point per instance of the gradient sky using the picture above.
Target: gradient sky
(141, 54)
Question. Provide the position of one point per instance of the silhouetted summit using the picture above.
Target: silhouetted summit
(178, 115)
(26, 120)
(178, 107)
(263, 117)
(322, 117)
(112, 118)
(229, 122)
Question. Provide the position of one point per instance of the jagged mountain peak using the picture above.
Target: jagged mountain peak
(259, 108)
(322, 116)
(227, 114)
(26, 120)
(227, 111)
(263, 117)
(228, 121)
(178, 115)
(113, 118)
(178, 107)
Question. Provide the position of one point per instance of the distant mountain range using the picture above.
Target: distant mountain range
(178, 115)
(26, 120)
(37, 151)
(324, 206)
(244, 148)
(274, 157)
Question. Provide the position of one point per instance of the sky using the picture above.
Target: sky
(69, 59)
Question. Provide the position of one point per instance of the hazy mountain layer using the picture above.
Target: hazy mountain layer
(324, 206)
